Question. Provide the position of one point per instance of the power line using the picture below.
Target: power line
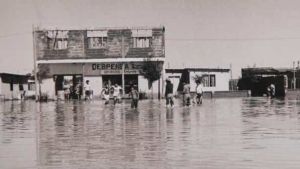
(191, 39)
(234, 39)
(15, 34)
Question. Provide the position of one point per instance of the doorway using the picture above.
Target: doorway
(130, 80)
(70, 83)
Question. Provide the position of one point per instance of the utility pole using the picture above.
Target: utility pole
(231, 82)
(35, 64)
(157, 64)
(294, 78)
(123, 66)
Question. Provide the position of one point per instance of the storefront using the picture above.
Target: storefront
(72, 75)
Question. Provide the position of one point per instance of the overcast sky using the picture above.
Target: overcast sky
(199, 33)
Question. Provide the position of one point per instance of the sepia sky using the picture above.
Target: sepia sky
(199, 33)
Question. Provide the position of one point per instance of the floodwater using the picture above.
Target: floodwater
(231, 133)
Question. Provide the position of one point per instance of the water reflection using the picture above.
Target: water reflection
(221, 133)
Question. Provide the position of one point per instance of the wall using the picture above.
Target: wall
(143, 87)
(96, 85)
(222, 81)
(48, 87)
(5, 90)
(78, 45)
(143, 84)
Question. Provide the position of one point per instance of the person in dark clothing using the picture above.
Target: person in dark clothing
(134, 97)
(169, 93)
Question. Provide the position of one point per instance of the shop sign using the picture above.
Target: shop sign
(115, 66)
(112, 68)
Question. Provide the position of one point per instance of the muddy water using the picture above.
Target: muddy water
(252, 133)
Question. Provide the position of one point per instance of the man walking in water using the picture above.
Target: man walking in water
(169, 93)
(105, 93)
(186, 94)
(117, 93)
(134, 97)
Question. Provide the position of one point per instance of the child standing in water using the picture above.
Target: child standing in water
(134, 97)
(105, 93)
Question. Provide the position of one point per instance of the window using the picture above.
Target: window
(97, 42)
(57, 40)
(31, 86)
(141, 42)
(142, 38)
(212, 80)
(209, 80)
(97, 39)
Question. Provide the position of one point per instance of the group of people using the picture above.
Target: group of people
(75, 91)
(187, 98)
(271, 90)
(116, 92)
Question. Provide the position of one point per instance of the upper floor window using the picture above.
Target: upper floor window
(142, 38)
(57, 39)
(209, 80)
(141, 42)
(97, 39)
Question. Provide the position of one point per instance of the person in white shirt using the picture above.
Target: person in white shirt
(117, 93)
(88, 91)
(199, 92)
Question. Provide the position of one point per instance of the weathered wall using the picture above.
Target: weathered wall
(78, 46)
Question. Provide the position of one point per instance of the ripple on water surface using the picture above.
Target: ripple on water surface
(221, 133)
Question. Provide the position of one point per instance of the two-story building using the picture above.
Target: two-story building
(102, 56)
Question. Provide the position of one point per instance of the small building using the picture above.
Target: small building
(213, 79)
(13, 86)
(110, 56)
(292, 76)
(259, 79)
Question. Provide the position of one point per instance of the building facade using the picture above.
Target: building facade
(102, 56)
(213, 79)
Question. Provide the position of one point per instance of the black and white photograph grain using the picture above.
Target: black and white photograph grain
(149, 84)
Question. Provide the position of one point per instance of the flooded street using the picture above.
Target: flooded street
(231, 133)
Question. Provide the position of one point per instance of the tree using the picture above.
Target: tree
(43, 73)
(197, 78)
(151, 70)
